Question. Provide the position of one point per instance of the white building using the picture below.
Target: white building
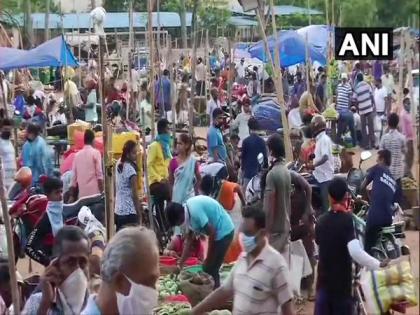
(73, 6)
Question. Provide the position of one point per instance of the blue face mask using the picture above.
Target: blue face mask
(249, 243)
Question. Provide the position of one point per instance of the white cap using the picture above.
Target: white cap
(84, 215)
(344, 76)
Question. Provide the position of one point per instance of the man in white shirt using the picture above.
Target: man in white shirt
(323, 164)
(212, 104)
(200, 77)
(240, 72)
(380, 95)
(7, 153)
(294, 119)
(241, 121)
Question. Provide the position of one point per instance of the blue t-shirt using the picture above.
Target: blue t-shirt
(251, 147)
(382, 196)
(215, 141)
(91, 307)
(204, 210)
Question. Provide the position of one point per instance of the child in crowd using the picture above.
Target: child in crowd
(357, 124)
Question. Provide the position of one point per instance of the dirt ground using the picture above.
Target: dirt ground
(412, 240)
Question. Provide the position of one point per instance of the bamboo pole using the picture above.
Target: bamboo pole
(230, 77)
(130, 56)
(109, 218)
(278, 83)
(193, 65)
(10, 247)
(207, 60)
(401, 70)
(145, 172)
(151, 62)
(47, 19)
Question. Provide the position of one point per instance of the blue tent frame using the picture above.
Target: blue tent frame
(52, 53)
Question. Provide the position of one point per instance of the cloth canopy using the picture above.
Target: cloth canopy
(318, 36)
(53, 53)
(291, 47)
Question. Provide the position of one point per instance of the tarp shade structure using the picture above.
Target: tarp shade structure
(291, 47)
(318, 36)
(53, 53)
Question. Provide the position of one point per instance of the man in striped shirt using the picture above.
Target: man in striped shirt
(345, 119)
(363, 93)
(259, 281)
(394, 141)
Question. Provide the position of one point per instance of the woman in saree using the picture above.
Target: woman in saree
(184, 175)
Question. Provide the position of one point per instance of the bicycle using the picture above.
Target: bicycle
(160, 224)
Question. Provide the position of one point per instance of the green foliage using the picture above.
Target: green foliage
(12, 6)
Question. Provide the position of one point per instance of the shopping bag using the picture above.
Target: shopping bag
(297, 248)
(391, 285)
(296, 272)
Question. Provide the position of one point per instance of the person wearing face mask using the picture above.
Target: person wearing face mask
(36, 154)
(216, 146)
(260, 272)
(277, 192)
(204, 215)
(41, 239)
(7, 153)
(338, 245)
(64, 284)
(130, 270)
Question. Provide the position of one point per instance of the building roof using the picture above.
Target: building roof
(165, 19)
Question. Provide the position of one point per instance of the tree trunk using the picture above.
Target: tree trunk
(182, 15)
(93, 4)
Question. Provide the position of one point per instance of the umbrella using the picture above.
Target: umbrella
(292, 49)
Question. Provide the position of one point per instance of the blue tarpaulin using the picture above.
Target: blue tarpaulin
(53, 53)
(292, 49)
(318, 36)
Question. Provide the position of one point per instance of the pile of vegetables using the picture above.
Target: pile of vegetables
(173, 309)
(200, 278)
(168, 286)
(408, 183)
(225, 271)
(330, 113)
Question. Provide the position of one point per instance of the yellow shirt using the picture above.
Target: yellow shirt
(157, 166)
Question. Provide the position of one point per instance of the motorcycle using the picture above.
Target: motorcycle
(27, 206)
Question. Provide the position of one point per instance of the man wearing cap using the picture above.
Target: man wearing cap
(345, 119)
(215, 144)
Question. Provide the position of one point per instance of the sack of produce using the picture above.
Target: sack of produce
(197, 287)
(220, 312)
(386, 287)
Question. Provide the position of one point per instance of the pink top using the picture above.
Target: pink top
(406, 124)
(87, 170)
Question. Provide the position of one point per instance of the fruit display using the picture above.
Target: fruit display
(167, 286)
(173, 309)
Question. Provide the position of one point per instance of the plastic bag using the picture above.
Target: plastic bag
(385, 287)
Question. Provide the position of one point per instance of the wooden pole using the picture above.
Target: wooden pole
(327, 19)
(152, 62)
(145, 171)
(47, 20)
(193, 65)
(401, 70)
(130, 105)
(10, 247)
(278, 81)
(307, 63)
(230, 78)
(4, 96)
(309, 13)
(109, 217)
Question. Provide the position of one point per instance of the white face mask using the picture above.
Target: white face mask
(140, 300)
(74, 290)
